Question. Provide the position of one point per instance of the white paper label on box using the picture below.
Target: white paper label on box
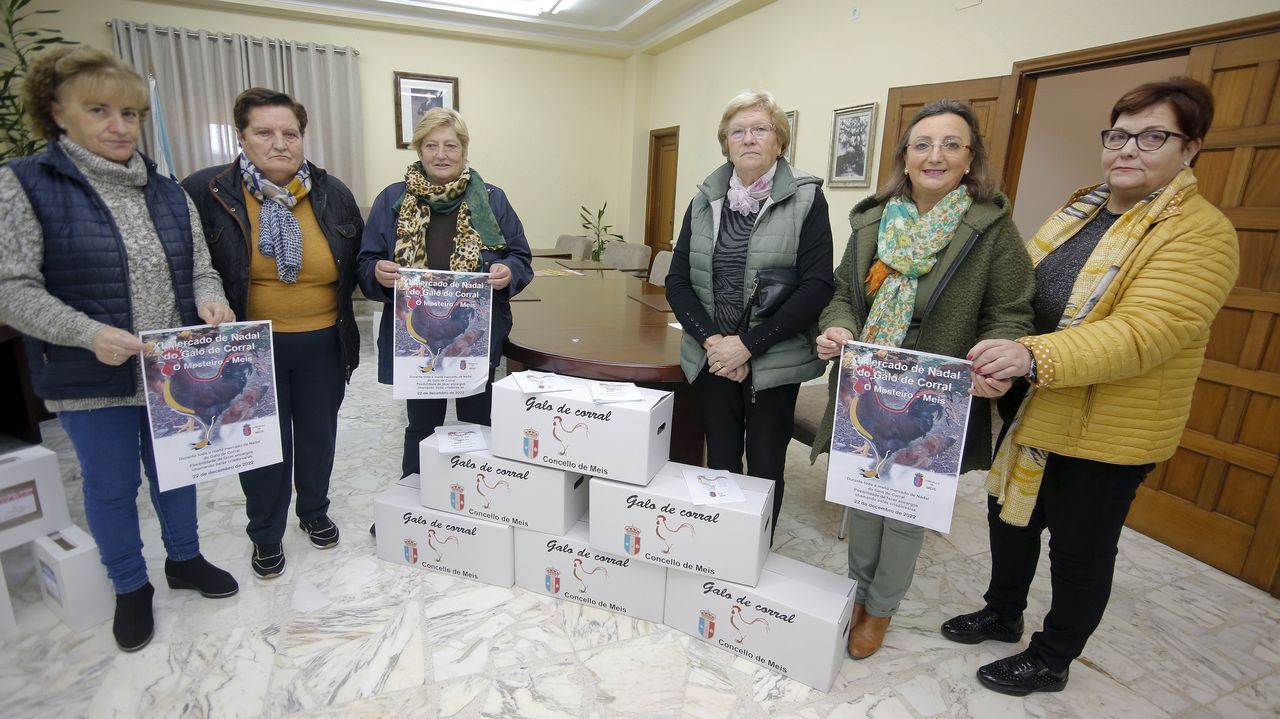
(607, 392)
(50, 580)
(531, 382)
(708, 486)
(18, 503)
(460, 438)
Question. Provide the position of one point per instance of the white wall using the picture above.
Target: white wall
(1063, 151)
(814, 58)
(545, 125)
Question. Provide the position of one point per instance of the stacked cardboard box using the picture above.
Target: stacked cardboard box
(32, 505)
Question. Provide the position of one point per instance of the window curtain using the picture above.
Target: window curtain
(200, 73)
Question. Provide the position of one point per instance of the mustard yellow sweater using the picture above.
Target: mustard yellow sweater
(1123, 380)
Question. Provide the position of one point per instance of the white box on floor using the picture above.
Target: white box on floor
(567, 567)
(478, 484)
(72, 579)
(795, 621)
(8, 624)
(623, 441)
(32, 502)
(409, 533)
(659, 524)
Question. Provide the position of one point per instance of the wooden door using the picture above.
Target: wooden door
(659, 224)
(1218, 498)
(993, 101)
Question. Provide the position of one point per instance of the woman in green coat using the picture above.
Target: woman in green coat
(934, 264)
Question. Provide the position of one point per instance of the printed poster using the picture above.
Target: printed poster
(211, 401)
(441, 331)
(899, 433)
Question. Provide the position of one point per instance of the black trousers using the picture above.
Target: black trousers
(427, 414)
(310, 385)
(1083, 504)
(736, 418)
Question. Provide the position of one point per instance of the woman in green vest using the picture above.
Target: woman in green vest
(753, 214)
(934, 264)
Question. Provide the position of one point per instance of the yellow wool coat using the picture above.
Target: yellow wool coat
(1123, 378)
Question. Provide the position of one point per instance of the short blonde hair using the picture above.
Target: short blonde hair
(436, 118)
(753, 100)
(104, 76)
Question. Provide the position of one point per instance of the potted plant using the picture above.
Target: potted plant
(17, 45)
(596, 229)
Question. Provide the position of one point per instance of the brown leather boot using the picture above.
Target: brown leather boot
(867, 637)
(859, 613)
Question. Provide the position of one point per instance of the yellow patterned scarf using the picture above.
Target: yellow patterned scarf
(1016, 472)
(420, 197)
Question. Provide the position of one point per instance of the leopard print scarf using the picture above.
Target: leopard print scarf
(477, 228)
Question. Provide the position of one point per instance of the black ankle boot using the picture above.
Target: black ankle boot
(198, 574)
(134, 625)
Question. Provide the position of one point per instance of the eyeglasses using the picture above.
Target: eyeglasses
(948, 147)
(450, 148)
(1148, 140)
(759, 132)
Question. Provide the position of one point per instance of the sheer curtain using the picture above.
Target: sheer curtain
(200, 73)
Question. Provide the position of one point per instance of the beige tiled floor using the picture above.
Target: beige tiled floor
(343, 634)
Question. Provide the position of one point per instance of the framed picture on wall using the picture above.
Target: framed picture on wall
(852, 130)
(415, 94)
(793, 120)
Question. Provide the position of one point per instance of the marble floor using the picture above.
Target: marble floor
(343, 634)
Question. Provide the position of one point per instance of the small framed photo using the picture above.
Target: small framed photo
(852, 131)
(415, 94)
(793, 120)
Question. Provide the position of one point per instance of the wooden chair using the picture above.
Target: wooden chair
(579, 246)
(661, 266)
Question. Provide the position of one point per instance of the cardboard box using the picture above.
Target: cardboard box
(567, 567)
(32, 503)
(480, 485)
(622, 441)
(794, 622)
(409, 533)
(72, 579)
(8, 623)
(659, 524)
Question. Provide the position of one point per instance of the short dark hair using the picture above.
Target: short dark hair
(1191, 100)
(979, 185)
(262, 97)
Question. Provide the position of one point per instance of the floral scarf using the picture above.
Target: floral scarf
(907, 247)
(477, 227)
(279, 235)
(1017, 471)
(746, 200)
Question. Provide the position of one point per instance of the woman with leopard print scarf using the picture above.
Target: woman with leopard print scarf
(443, 216)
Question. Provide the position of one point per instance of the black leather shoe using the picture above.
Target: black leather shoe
(134, 624)
(200, 575)
(1021, 674)
(980, 626)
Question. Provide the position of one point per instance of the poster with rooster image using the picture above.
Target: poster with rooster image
(440, 334)
(899, 433)
(211, 401)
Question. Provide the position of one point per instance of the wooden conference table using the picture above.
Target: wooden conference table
(606, 325)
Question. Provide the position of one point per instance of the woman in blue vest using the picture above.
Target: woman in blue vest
(96, 247)
(754, 213)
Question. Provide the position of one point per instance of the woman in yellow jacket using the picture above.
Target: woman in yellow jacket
(1129, 276)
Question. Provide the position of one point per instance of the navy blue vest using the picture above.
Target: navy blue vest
(86, 268)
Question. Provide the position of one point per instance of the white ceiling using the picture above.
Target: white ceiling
(617, 25)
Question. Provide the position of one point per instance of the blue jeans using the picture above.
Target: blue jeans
(108, 444)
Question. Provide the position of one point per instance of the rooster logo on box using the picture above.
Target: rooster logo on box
(740, 623)
(661, 529)
(560, 431)
(482, 485)
(580, 574)
(437, 545)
